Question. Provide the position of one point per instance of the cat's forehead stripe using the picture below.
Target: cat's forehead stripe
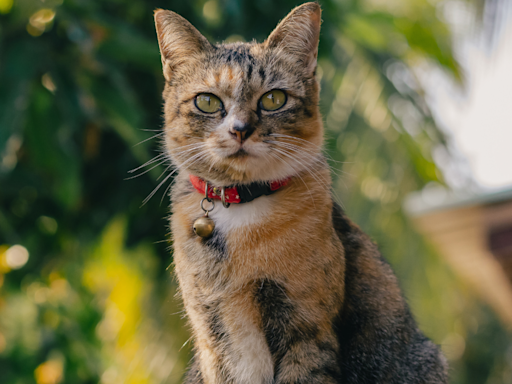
(232, 71)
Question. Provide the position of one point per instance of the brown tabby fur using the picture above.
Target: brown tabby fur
(287, 289)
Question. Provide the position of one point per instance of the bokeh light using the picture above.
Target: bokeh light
(16, 256)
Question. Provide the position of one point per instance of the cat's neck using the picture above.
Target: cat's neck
(303, 195)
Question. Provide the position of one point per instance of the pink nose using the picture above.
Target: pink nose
(241, 132)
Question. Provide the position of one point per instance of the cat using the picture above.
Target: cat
(279, 286)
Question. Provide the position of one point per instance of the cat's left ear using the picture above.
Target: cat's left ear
(298, 33)
(179, 41)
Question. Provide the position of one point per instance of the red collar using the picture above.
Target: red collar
(238, 194)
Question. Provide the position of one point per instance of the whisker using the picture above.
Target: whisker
(170, 185)
(333, 191)
(314, 156)
(297, 139)
(300, 150)
(323, 150)
(157, 188)
(156, 158)
(147, 170)
(191, 144)
(169, 175)
(335, 171)
(290, 155)
(298, 175)
(187, 150)
(150, 138)
(165, 170)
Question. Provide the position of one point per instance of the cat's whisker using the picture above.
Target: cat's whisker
(187, 153)
(275, 156)
(299, 150)
(186, 342)
(161, 241)
(192, 158)
(214, 162)
(192, 150)
(170, 185)
(150, 138)
(298, 139)
(157, 188)
(290, 155)
(333, 190)
(332, 169)
(292, 139)
(185, 148)
(211, 165)
(165, 170)
(167, 178)
(147, 170)
(165, 192)
(188, 145)
(306, 142)
(156, 158)
(315, 148)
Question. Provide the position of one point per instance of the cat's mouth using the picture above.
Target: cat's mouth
(240, 154)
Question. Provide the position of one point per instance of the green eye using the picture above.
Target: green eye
(273, 100)
(208, 103)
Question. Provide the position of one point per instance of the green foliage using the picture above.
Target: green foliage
(80, 89)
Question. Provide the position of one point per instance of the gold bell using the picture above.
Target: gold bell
(204, 226)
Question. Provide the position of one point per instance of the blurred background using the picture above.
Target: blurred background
(416, 103)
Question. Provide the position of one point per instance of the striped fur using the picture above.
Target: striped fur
(287, 289)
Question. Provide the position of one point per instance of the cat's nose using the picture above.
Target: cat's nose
(241, 132)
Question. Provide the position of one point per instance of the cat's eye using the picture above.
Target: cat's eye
(273, 100)
(208, 103)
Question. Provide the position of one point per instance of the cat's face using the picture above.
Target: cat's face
(242, 112)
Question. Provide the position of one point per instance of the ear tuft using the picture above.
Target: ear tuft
(298, 33)
(179, 40)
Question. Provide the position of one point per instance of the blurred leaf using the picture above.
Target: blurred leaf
(365, 31)
(126, 45)
(15, 79)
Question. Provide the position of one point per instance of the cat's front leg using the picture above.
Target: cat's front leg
(300, 337)
(308, 362)
(230, 347)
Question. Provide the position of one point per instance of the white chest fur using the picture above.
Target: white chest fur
(241, 215)
(251, 355)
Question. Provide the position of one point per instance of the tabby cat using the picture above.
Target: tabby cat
(279, 286)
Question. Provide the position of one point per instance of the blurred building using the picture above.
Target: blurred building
(474, 235)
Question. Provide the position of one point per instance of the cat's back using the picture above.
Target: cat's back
(378, 337)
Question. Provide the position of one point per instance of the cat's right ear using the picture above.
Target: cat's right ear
(297, 35)
(179, 40)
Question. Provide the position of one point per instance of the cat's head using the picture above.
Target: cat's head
(242, 112)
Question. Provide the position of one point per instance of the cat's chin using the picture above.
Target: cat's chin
(246, 164)
(239, 154)
(243, 170)
(251, 169)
